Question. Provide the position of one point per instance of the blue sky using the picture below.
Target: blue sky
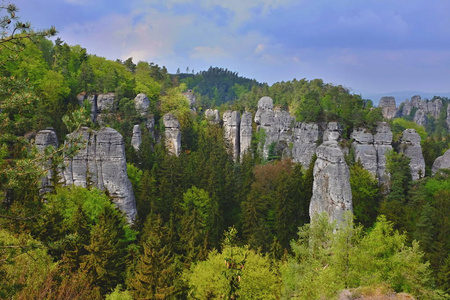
(369, 46)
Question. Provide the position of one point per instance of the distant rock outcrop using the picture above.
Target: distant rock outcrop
(43, 139)
(277, 126)
(364, 149)
(421, 109)
(383, 144)
(305, 139)
(442, 162)
(420, 117)
(448, 117)
(212, 116)
(246, 133)
(102, 163)
(172, 134)
(136, 139)
(141, 103)
(388, 106)
(190, 96)
(412, 149)
(231, 126)
(331, 188)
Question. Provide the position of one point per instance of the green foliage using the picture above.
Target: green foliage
(400, 124)
(236, 272)
(366, 195)
(118, 294)
(329, 259)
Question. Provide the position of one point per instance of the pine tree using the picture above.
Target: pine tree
(106, 261)
(155, 271)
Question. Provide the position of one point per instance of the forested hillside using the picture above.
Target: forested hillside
(208, 225)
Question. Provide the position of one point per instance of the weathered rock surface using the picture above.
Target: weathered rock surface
(102, 163)
(412, 149)
(141, 103)
(231, 125)
(332, 132)
(172, 134)
(212, 116)
(407, 107)
(420, 117)
(136, 139)
(306, 136)
(434, 107)
(277, 125)
(106, 102)
(364, 149)
(388, 106)
(43, 139)
(246, 133)
(92, 99)
(150, 124)
(442, 162)
(191, 98)
(81, 97)
(383, 144)
(331, 188)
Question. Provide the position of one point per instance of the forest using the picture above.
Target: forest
(207, 226)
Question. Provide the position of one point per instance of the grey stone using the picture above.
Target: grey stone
(442, 162)
(172, 134)
(191, 98)
(416, 101)
(412, 149)
(388, 107)
(92, 99)
(150, 124)
(212, 116)
(420, 117)
(407, 107)
(106, 102)
(306, 136)
(81, 97)
(101, 163)
(331, 188)
(333, 132)
(231, 125)
(44, 139)
(246, 133)
(136, 139)
(364, 149)
(382, 143)
(434, 107)
(141, 103)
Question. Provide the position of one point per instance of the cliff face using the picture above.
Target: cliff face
(306, 136)
(212, 116)
(231, 126)
(102, 163)
(136, 139)
(43, 139)
(423, 110)
(412, 149)
(364, 148)
(331, 188)
(442, 162)
(246, 133)
(383, 144)
(388, 107)
(172, 134)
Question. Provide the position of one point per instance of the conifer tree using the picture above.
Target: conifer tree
(155, 271)
(106, 261)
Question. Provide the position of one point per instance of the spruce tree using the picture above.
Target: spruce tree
(106, 261)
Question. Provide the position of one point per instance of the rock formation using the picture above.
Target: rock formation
(331, 188)
(150, 124)
(246, 132)
(43, 139)
(412, 149)
(212, 116)
(277, 126)
(388, 106)
(364, 148)
(106, 102)
(231, 126)
(434, 108)
(92, 99)
(383, 144)
(306, 136)
(191, 98)
(420, 117)
(141, 103)
(102, 163)
(172, 134)
(407, 108)
(442, 162)
(136, 139)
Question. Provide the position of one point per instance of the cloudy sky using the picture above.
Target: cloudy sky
(369, 46)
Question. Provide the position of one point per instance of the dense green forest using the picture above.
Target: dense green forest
(207, 227)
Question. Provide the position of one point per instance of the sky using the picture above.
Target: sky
(368, 46)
